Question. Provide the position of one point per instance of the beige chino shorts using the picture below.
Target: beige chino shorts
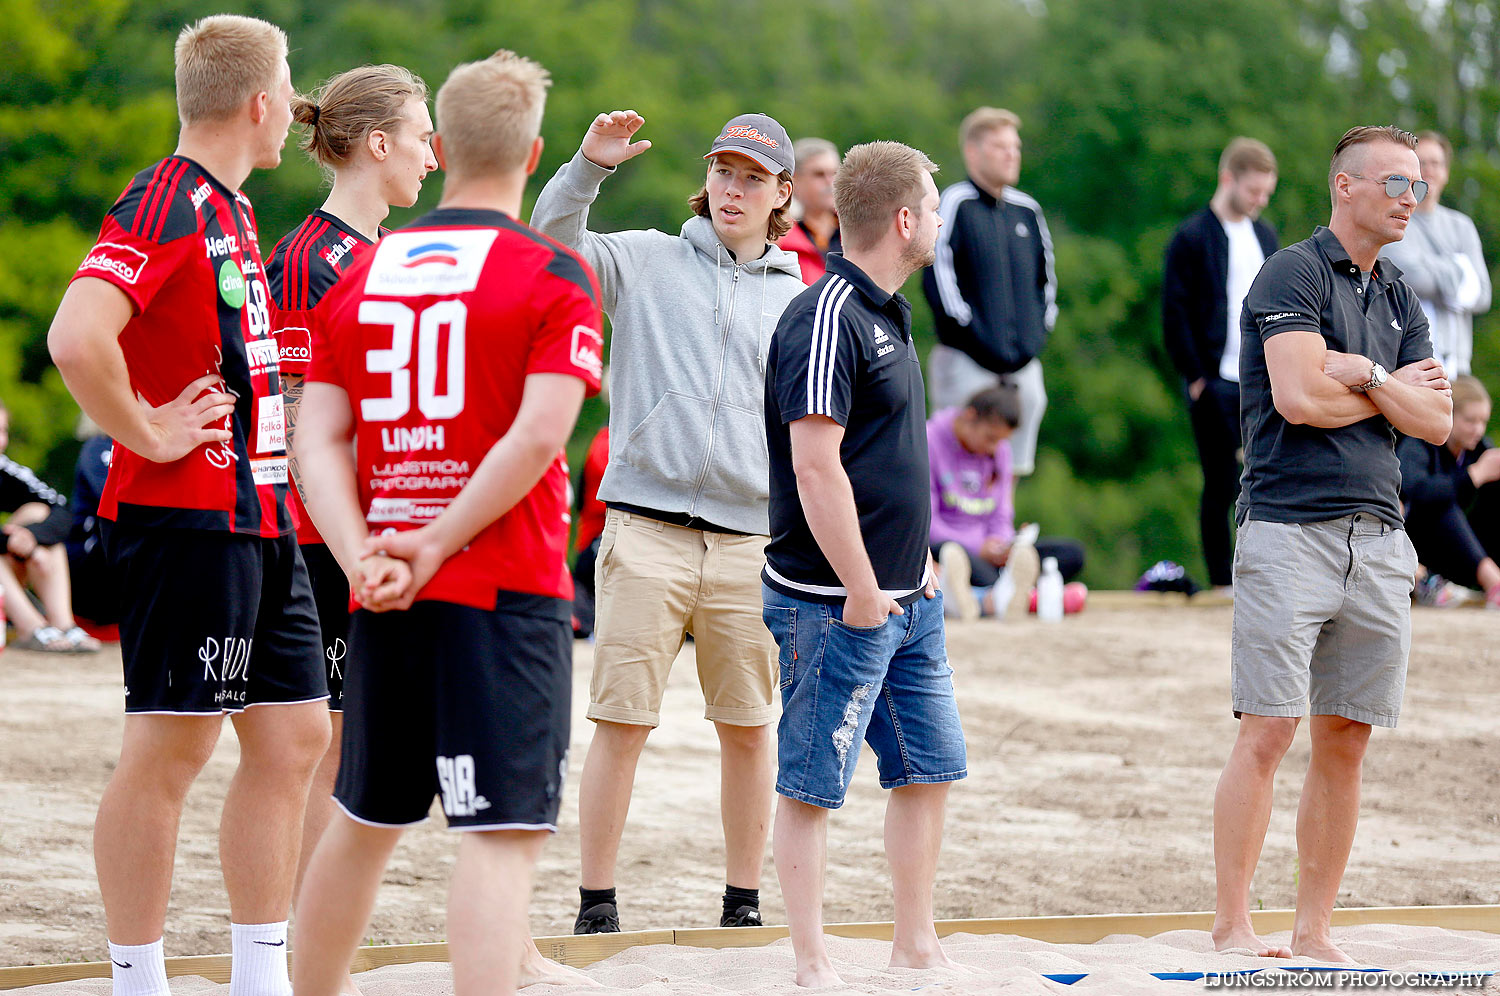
(655, 584)
(1322, 612)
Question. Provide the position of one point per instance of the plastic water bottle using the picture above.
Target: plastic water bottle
(1049, 592)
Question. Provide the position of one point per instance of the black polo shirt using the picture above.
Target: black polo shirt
(843, 349)
(1301, 473)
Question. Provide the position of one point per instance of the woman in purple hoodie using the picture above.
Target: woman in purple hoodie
(988, 569)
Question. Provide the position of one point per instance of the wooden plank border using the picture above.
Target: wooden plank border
(580, 951)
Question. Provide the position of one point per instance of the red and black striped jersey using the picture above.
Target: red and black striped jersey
(432, 335)
(183, 248)
(300, 270)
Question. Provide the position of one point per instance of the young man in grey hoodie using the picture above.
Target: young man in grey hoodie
(687, 481)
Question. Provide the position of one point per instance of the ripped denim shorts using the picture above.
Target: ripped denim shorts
(889, 686)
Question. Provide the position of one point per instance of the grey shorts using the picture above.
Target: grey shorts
(1322, 610)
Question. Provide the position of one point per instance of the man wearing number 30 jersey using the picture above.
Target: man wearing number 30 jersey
(455, 356)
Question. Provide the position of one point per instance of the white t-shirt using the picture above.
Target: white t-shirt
(1245, 260)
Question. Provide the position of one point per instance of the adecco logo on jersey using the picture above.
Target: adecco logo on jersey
(111, 257)
(588, 350)
(232, 284)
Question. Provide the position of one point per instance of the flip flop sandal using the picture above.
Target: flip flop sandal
(46, 640)
(80, 642)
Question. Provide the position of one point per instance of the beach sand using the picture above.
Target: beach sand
(1094, 747)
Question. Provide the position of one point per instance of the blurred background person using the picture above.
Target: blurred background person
(1211, 262)
(1440, 259)
(34, 559)
(96, 598)
(988, 568)
(993, 289)
(1453, 503)
(815, 233)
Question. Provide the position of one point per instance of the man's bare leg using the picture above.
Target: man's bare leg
(800, 847)
(913, 840)
(604, 798)
(1326, 819)
(1242, 811)
(319, 812)
(747, 777)
(261, 829)
(135, 834)
(333, 906)
(487, 906)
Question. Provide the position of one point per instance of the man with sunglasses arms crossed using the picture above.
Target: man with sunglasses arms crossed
(1323, 570)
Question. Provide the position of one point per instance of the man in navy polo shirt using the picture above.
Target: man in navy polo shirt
(848, 589)
(1323, 570)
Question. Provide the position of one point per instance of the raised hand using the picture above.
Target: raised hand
(1426, 373)
(182, 424)
(608, 140)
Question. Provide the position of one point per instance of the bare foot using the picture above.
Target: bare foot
(1322, 951)
(348, 988)
(537, 970)
(1244, 941)
(933, 957)
(818, 976)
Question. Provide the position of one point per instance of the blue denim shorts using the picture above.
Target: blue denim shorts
(889, 686)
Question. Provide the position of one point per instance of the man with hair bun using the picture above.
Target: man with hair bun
(1323, 571)
(1211, 260)
(448, 367)
(369, 130)
(848, 587)
(164, 338)
(1441, 259)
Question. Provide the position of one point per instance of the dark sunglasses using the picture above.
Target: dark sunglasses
(1395, 186)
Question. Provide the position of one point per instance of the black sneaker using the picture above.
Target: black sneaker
(745, 916)
(603, 918)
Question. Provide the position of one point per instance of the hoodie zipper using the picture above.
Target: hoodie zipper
(713, 415)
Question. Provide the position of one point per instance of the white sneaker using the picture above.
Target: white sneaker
(1024, 566)
(958, 593)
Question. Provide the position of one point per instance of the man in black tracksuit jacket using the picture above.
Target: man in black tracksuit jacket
(992, 289)
(1211, 261)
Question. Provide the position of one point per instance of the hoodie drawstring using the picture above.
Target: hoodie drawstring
(718, 265)
(761, 351)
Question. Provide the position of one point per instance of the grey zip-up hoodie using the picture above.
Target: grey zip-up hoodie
(691, 328)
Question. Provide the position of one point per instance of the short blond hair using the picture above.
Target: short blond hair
(982, 120)
(875, 181)
(1247, 155)
(350, 106)
(224, 60)
(1468, 389)
(490, 112)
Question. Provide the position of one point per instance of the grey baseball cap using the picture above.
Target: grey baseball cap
(758, 137)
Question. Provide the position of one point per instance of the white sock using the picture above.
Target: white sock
(139, 969)
(258, 965)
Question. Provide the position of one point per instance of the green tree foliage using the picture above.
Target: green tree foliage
(1126, 106)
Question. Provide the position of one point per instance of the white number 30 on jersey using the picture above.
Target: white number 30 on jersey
(396, 361)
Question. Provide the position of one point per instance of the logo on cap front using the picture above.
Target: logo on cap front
(750, 134)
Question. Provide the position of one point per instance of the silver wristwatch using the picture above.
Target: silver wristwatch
(1378, 378)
